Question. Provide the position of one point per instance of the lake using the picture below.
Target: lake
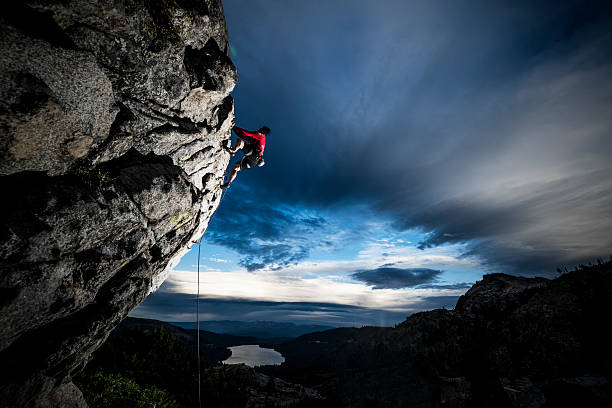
(253, 356)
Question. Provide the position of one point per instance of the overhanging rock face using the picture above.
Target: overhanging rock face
(112, 120)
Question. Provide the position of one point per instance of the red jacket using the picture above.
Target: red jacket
(255, 139)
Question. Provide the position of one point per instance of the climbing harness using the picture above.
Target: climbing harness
(198, 304)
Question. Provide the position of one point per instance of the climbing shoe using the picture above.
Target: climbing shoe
(224, 186)
(228, 147)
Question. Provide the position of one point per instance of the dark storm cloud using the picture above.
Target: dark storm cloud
(396, 278)
(171, 306)
(260, 232)
(480, 122)
(532, 232)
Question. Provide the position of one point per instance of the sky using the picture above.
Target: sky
(415, 147)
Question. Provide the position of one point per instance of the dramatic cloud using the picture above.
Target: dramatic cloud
(396, 278)
(531, 228)
(478, 122)
(477, 131)
(288, 287)
(247, 310)
(170, 305)
(263, 234)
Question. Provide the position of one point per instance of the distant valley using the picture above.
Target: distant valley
(258, 329)
(509, 342)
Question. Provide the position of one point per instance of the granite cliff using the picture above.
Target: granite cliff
(112, 120)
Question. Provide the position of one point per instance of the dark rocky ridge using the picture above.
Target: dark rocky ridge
(510, 342)
(112, 119)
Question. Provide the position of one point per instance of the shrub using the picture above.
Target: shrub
(103, 390)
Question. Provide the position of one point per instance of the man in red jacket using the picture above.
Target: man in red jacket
(252, 145)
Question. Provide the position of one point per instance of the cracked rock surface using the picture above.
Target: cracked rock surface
(112, 120)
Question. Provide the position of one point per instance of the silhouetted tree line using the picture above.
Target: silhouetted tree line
(138, 369)
(582, 267)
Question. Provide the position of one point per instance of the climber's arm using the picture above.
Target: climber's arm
(244, 134)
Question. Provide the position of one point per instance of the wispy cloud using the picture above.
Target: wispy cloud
(271, 286)
(218, 260)
(173, 303)
(266, 235)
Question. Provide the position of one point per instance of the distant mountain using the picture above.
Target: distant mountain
(258, 329)
(509, 342)
(213, 346)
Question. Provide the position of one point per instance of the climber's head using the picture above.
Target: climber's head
(265, 130)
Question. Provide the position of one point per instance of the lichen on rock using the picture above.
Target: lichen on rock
(112, 120)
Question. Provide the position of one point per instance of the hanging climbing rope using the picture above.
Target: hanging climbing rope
(198, 324)
(198, 305)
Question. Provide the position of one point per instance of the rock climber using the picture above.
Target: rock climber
(252, 145)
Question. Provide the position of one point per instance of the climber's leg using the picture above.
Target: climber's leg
(239, 145)
(233, 173)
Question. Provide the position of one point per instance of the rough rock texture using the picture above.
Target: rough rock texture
(264, 391)
(66, 396)
(509, 342)
(112, 120)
